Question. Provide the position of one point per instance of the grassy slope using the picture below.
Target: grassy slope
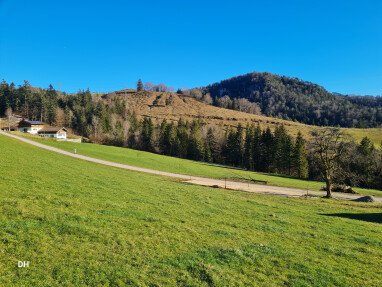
(189, 109)
(171, 164)
(80, 224)
(375, 134)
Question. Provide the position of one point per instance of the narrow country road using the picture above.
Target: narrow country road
(248, 187)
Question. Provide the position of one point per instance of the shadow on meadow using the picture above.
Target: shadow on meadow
(370, 217)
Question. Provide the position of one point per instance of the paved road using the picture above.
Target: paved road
(248, 187)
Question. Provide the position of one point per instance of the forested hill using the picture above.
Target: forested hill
(294, 99)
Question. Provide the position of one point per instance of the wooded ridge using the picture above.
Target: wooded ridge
(294, 99)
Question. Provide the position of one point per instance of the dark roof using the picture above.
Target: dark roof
(36, 122)
(51, 130)
(33, 122)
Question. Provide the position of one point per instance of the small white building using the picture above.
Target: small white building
(53, 132)
(31, 127)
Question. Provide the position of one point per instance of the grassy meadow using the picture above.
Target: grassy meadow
(83, 224)
(183, 166)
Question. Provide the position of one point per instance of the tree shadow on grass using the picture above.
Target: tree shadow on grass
(370, 217)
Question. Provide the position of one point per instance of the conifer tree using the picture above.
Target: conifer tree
(134, 125)
(105, 119)
(207, 152)
(139, 85)
(287, 154)
(118, 134)
(50, 104)
(213, 146)
(182, 138)
(300, 162)
(195, 143)
(147, 135)
(169, 143)
(238, 146)
(256, 148)
(279, 137)
(267, 150)
(229, 148)
(248, 148)
(164, 144)
(174, 141)
(366, 146)
(25, 97)
(131, 139)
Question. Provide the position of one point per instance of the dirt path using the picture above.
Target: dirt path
(248, 187)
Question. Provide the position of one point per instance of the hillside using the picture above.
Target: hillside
(305, 102)
(184, 166)
(80, 223)
(172, 107)
(82, 111)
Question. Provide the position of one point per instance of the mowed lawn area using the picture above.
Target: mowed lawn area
(183, 166)
(83, 224)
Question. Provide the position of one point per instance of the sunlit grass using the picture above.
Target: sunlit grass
(183, 166)
(83, 224)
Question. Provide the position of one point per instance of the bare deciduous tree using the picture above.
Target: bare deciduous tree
(244, 105)
(8, 114)
(224, 102)
(329, 145)
(96, 128)
(60, 117)
(207, 99)
(150, 87)
(196, 93)
(163, 88)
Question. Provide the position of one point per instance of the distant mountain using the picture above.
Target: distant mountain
(294, 99)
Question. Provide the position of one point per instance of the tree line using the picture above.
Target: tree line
(249, 147)
(329, 155)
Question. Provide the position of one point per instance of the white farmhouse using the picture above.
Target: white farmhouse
(53, 132)
(32, 127)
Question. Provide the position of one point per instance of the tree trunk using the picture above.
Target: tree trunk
(328, 182)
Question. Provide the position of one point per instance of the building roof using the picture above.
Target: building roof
(32, 122)
(36, 122)
(51, 130)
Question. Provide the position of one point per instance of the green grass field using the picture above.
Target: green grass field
(183, 166)
(83, 224)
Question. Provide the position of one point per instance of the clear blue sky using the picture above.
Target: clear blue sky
(108, 45)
